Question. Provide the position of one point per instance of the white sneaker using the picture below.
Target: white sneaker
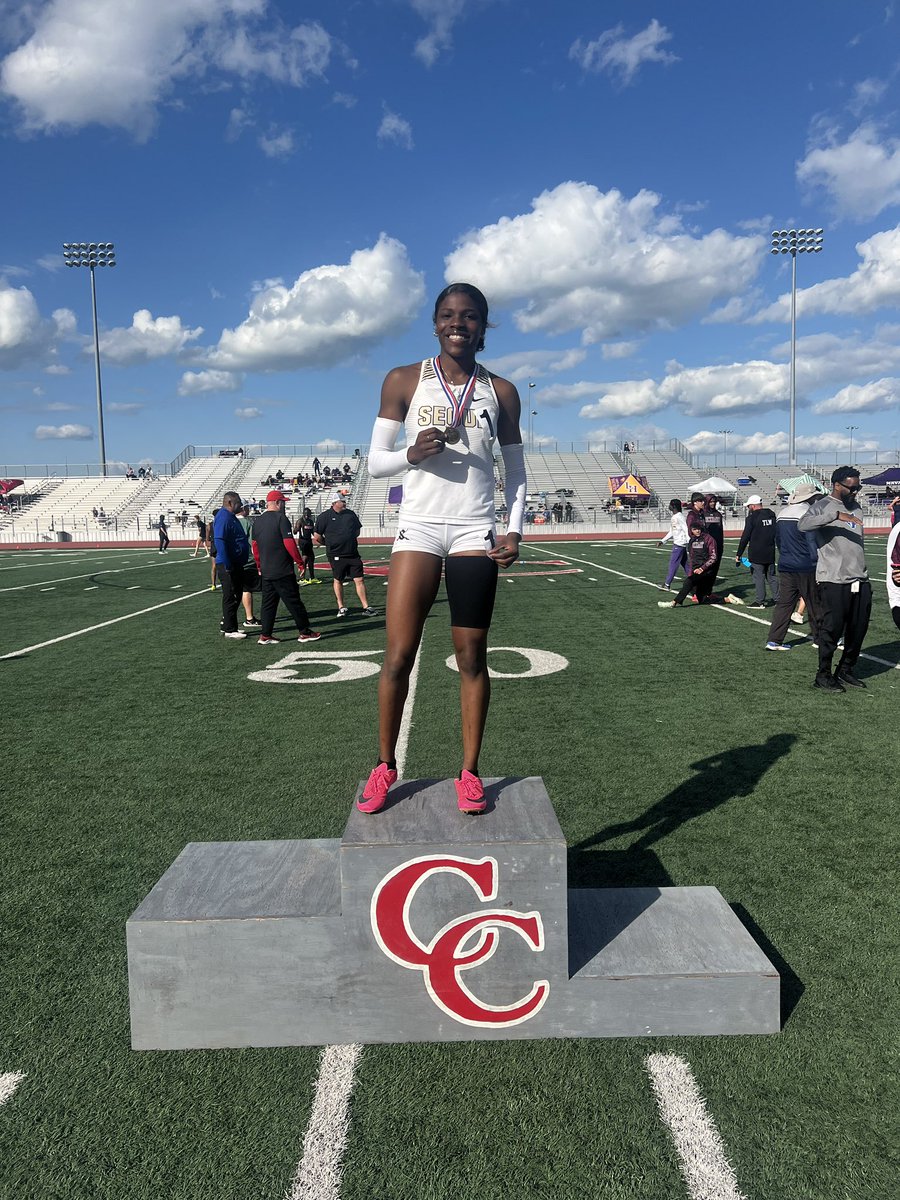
(237, 633)
(665, 604)
(797, 618)
(342, 612)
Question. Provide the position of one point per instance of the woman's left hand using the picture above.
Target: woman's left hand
(506, 551)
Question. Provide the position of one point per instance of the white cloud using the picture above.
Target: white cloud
(874, 284)
(622, 56)
(328, 314)
(58, 369)
(51, 262)
(533, 364)
(598, 262)
(89, 62)
(394, 128)
(758, 385)
(866, 94)
(66, 433)
(619, 349)
(248, 414)
(195, 383)
(344, 99)
(329, 444)
(277, 145)
(146, 339)
(441, 16)
(128, 410)
(861, 174)
(24, 334)
(875, 396)
(60, 406)
(709, 442)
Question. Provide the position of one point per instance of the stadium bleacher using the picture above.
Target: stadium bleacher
(59, 509)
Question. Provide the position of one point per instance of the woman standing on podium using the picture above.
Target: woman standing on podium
(453, 411)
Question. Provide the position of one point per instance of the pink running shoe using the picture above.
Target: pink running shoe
(376, 790)
(469, 793)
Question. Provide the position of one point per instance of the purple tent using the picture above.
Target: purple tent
(891, 475)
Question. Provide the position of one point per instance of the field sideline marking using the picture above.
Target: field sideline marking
(706, 1169)
(21, 587)
(9, 1081)
(103, 624)
(318, 1174)
(731, 609)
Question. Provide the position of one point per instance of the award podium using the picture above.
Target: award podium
(421, 924)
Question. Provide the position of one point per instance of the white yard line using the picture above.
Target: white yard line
(732, 610)
(318, 1174)
(9, 1081)
(88, 575)
(704, 1164)
(103, 624)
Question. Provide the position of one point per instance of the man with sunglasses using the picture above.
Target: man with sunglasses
(845, 594)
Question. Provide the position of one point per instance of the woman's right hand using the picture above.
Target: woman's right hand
(429, 442)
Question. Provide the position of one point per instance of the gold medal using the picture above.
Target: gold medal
(451, 435)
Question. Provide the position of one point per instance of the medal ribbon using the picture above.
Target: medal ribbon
(457, 407)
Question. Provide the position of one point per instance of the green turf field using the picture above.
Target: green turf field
(675, 750)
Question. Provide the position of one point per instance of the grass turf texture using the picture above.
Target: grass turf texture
(676, 751)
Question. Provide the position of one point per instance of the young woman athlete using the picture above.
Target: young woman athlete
(453, 410)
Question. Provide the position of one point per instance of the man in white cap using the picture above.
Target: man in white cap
(337, 529)
(758, 538)
(797, 554)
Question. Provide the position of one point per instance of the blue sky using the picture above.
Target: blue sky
(289, 186)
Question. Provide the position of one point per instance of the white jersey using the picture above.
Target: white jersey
(457, 484)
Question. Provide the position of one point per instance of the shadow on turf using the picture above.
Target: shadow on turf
(721, 777)
(888, 651)
(792, 986)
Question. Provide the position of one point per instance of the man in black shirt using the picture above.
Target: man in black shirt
(275, 552)
(758, 539)
(337, 528)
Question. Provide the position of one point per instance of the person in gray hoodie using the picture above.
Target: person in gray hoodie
(845, 593)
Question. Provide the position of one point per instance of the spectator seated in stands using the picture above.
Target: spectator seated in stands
(129, 474)
(141, 473)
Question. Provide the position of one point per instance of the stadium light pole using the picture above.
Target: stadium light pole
(850, 430)
(794, 242)
(91, 255)
(725, 433)
(532, 412)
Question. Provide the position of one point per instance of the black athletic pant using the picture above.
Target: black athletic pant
(283, 588)
(163, 538)
(792, 586)
(701, 585)
(844, 612)
(232, 590)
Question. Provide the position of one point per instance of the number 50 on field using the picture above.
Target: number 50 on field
(342, 666)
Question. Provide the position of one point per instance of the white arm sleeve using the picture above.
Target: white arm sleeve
(384, 460)
(514, 486)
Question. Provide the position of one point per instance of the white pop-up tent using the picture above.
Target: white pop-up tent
(715, 485)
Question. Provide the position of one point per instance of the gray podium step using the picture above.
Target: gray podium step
(422, 924)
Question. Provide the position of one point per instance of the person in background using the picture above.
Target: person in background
(844, 590)
(232, 549)
(276, 554)
(201, 536)
(337, 529)
(211, 551)
(680, 537)
(758, 539)
(797, 556)
(893, 573)
(701, 560)
(304, 527)
(712, 516)
(163, 534)
(251, 573)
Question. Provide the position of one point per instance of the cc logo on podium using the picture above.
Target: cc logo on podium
(461, 944)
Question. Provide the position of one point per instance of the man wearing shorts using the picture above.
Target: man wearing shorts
(337, 529)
